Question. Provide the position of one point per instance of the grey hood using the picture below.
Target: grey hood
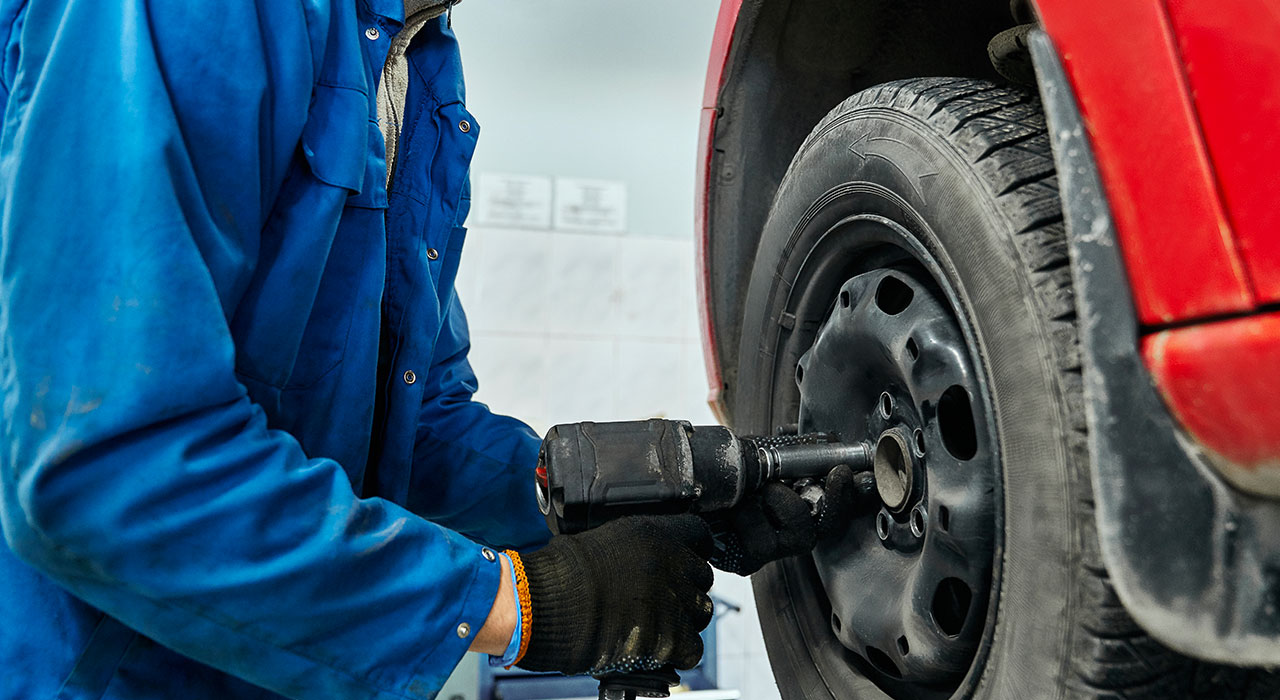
(395, 73)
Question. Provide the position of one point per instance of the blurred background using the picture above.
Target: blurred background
(578, 273)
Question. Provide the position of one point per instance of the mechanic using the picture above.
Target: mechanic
(241, 451)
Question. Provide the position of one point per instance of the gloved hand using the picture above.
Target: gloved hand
(777, 522)
(629, 595)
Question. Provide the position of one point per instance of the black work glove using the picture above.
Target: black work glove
(777, 522)
(630, 595)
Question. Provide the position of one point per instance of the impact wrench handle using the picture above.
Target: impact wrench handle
(638, 684)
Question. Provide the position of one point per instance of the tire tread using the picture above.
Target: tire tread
(1001, 131)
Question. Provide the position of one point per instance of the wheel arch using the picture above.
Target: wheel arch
(778, 66)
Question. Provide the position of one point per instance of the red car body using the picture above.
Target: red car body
(1180, 102)
(1182, 109)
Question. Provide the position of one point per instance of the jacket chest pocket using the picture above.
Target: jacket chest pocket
(292, 325)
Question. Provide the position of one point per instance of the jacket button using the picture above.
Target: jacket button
(432, 254)
(372, 33)
(465, 126)
(488, 554)
(410, 377)
(463, 630)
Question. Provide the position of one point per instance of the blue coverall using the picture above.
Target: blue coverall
(240, 450)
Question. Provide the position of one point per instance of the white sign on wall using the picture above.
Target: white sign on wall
(590, 206)
(512, 201)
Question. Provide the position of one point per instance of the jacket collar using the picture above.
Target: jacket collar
(428, 8)
(399, 11)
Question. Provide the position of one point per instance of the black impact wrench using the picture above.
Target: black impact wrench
(591, 473)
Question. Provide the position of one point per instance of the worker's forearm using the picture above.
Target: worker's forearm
(501, 623)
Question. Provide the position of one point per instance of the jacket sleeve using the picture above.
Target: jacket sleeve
(473, 469)
(135, 167)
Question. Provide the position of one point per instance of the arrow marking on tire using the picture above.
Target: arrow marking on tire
(860, 148)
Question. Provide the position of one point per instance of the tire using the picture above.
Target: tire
(964, 168)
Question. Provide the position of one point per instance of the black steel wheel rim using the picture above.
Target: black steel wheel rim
(892, 365)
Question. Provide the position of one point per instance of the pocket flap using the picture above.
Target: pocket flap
(335, 139)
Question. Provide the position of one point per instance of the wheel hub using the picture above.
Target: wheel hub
(908, 584)
(894, 469)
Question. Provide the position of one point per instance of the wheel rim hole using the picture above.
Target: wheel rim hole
(835, 623)
(886, 405)
(913, 350)
(955, 422)
(950, 607)
(844, 299)
(944, 518)
(893, 296)
(799, 374)
(918, 521)
(918, 439)
(882, 525)
(883, 663)
(903, 647)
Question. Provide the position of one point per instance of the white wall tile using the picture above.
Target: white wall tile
(511, 372)
(648, 383)
(513, 285)
(731, 628)
(648, 287)
(580, 291)
(731, 669)
(470, 270)
(759, 683)
(581, 374)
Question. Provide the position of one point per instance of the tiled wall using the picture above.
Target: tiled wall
(568, 327)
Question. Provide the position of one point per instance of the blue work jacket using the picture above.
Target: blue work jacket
(240, 453)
